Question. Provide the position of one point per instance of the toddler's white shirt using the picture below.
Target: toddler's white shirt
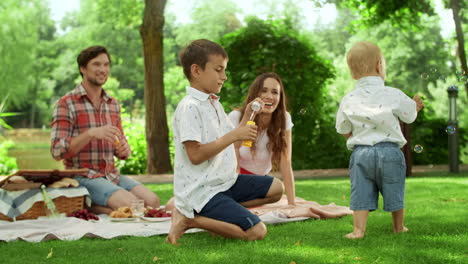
(259, 164)
(200, 118)
(372, 112)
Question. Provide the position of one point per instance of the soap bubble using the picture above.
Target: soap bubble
(425, 76)
(450, 130)
(256, 106)
(418, 148)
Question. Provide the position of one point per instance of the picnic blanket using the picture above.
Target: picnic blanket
(71, 228)
(15, 203)
(303, 208)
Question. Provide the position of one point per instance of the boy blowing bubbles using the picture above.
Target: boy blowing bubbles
(209, 194)
(369, 117)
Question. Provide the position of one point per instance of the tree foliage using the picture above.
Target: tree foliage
(403, 13)
(406, 15)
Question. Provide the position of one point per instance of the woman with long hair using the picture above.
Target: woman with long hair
(272, 148)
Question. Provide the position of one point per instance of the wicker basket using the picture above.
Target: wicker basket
(62, 203)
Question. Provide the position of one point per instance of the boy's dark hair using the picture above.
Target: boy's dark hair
(197, 52)
(90, 53)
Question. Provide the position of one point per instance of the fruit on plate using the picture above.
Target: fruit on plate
(153, 212)
(83, 214)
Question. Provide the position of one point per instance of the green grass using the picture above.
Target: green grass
(436, 214)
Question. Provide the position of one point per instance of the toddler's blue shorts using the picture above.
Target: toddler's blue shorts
(373, 169)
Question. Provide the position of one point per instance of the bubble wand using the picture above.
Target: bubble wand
(255, 106)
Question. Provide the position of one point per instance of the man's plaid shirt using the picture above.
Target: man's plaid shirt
(75, 114)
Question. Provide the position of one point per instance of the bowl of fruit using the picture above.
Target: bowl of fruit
(156, 215)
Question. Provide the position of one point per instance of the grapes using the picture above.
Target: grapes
(157, 213)
(83, 214)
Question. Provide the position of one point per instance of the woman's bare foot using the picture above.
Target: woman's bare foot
(401, 230)
(355, 235)
(178, 227)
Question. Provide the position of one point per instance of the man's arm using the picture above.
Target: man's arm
(109, 133)
(122, 148)
(63, 145)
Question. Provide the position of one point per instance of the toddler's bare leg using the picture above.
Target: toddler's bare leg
(399, 221)
(360, 222)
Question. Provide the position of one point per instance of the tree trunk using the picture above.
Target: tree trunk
(157, 138)
(406, 130)
(454, 4)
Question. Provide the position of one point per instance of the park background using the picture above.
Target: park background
(304, 41)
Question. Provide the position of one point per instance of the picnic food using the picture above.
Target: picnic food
(18, 179)
(83, 214)
(152, 212)
(64, 183)
(122, 212)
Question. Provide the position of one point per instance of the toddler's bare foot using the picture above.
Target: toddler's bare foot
(402, 230)
(178, 227)
(355, 235)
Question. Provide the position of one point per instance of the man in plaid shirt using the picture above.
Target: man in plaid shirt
(87, 133)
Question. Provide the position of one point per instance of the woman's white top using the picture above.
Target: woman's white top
(259, 164)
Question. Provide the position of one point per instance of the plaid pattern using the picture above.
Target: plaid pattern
(73, 115)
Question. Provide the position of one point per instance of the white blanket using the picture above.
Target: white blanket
(71, 228)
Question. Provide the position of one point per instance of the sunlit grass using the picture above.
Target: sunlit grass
(437, 216)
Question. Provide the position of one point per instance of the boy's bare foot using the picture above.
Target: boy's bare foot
(178, 227)
(402, 230)
(355, 235)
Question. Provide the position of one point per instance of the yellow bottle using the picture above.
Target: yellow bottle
(248, 143)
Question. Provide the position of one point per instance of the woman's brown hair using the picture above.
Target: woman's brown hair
(277, 128)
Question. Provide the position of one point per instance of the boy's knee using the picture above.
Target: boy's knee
(257, 232)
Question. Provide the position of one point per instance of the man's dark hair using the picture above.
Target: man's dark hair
(90, 53)
(197, 52)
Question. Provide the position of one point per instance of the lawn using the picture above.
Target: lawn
(437, 216)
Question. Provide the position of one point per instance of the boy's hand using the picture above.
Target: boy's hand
(247, 132)
(419, 103)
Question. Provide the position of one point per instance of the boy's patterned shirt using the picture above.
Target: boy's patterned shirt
(200, 117)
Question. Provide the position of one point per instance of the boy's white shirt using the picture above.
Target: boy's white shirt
(261, 163)
(372, 112)
(202, 119)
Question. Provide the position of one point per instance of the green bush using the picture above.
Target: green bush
(429, 131)
(135, 132)
(7, 164)
(264, 46)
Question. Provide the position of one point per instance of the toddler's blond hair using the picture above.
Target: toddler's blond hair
(363, 58)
